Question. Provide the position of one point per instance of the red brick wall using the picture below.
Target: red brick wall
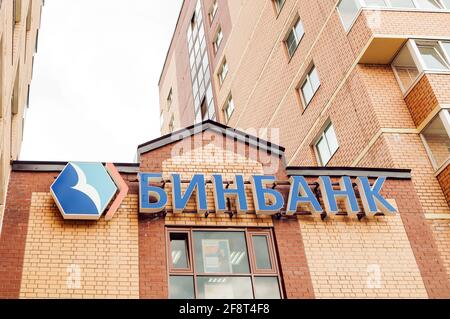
(421, 238)
(421, 100)
(15, 225)
(292, 259)
(444, 181)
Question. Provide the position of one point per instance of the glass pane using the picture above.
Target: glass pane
(446, 46)
(221, 252)
(209, 94)
(181, 287)
(203, 46)
(224, 288)
(406, 68)
(205, 62)
(428, 4)
(201, 33)
(307, 92)
(229, 109)
(438, 141)
(279, 4)
(375, 3)
(267, 288)
(211, 110)
(299, 31)
(324, 153)
(432, 57)
(179, 250)
(207, 75)
(262, 255)
(314, 78)
(446, 4)
(198, 60)
(330, 135)
(291, 43)
(348, 9)
(402, 4)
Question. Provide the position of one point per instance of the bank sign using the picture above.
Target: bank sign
(84, 191)
(87, 190)
(267, 200)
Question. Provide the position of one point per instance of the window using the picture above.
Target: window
(169, 99)
(326, 145)
(418, 56)
(433, 55)
(213, 11)
(223, 71)
(228, 108)
(294, 37)
(310, 85)
(204, 109)
(349, 9)
(171, 124)
(279, 5)
(436, 137)
(405, 68)
(161, 119)
(193, 22)
(207, 264)
(218, 40)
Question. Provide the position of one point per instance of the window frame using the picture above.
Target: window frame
(169, 99)
(222, 77)
(172, 124)
(171, 268)
(226, 105)
(413, 47)
(217, 45)
(247, 232)
(361, 4)
(278, 8)
(441, 52)
(161, 119)
(444, 115)
(298, 40)
(307, 78)
(322, 135)
(213, 11)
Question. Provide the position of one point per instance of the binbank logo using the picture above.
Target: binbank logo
(84, 190)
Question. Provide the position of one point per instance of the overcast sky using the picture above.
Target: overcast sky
(94, 93)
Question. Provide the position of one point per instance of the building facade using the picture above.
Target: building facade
(212, 252)
(352, 83)
(20, 21)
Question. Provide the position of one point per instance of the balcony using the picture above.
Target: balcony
(349, 10)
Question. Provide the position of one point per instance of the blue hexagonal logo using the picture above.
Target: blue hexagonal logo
(83, 190)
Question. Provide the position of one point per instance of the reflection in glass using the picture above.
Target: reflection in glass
(267, 288)
(432, 57)
(437, 138)
(262, 255)
(221, 252)
(406, 69)
(179, 250)
(181, 287)
(224, 288)
(348, 10)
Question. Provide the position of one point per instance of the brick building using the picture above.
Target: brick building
(352, 83)
(345, 88)
(20, 21)
(138, 254)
